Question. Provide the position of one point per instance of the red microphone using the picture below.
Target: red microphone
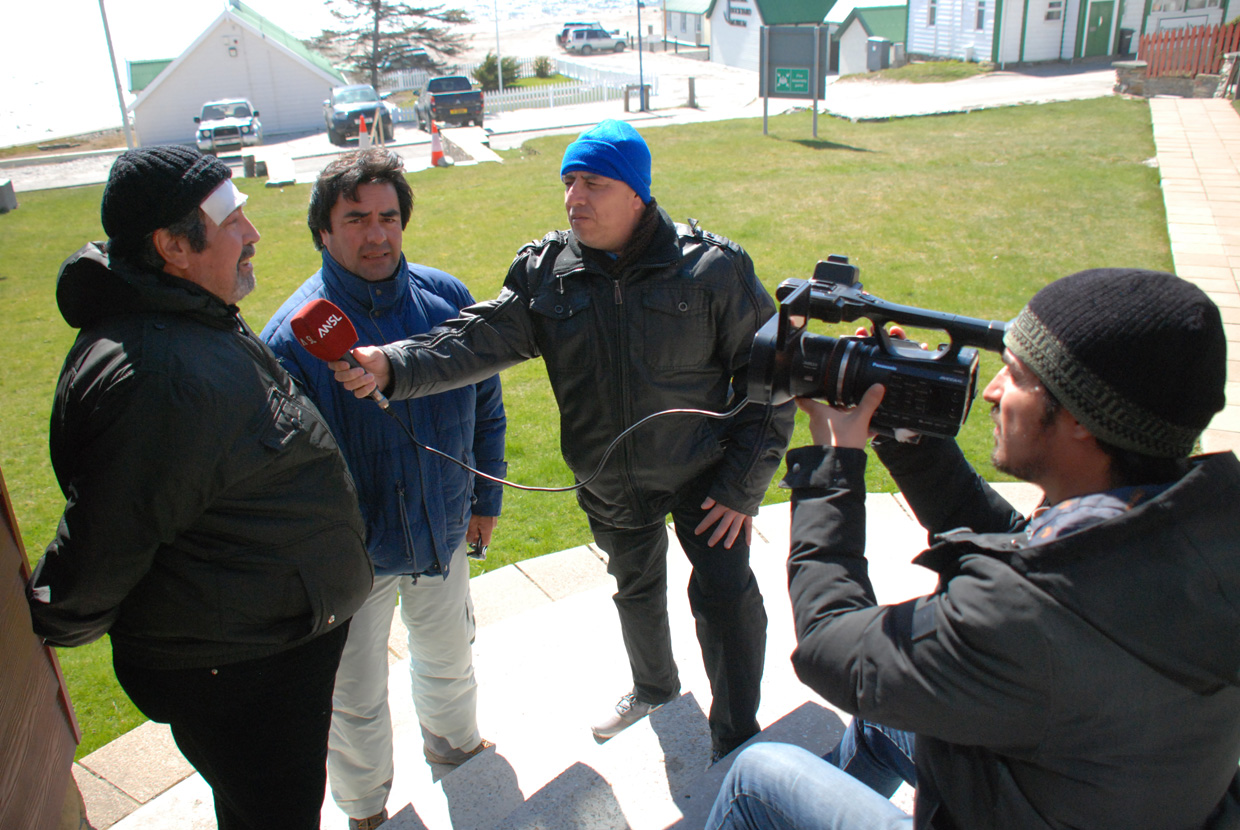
(327, 333)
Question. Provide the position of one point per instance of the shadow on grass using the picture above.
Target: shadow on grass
(820, 144)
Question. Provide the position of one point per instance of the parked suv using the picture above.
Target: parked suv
(562, 37)
(228, 125)
(349, 103)
(585, 41)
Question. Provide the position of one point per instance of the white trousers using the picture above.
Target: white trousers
(439, 616)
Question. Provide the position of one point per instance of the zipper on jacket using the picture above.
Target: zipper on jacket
(404, 522)
(621, 358)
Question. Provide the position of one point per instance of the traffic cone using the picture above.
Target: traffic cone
(363, 137)
(438, 159)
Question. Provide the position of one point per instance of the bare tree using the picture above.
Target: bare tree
(381, 36)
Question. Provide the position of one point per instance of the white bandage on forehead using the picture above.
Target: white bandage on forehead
(223, 200)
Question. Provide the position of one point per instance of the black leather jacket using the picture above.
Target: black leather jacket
(672, 331)
(1091, 681)
(209, 515)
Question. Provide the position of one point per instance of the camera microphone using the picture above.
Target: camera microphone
(327, 333)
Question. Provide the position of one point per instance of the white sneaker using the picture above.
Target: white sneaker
(628, 712)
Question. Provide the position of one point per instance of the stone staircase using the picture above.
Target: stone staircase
(550, 662)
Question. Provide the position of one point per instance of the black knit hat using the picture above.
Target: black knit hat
(1137, 357)
(152, 188)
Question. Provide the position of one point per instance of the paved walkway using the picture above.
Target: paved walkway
(1198, 143)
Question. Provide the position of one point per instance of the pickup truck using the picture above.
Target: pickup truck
(347, 105)
(451, 99)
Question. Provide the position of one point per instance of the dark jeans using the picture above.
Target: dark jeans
(727, 606)
(255, 730)
(876, 755)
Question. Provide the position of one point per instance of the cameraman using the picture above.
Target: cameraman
(1077, 668)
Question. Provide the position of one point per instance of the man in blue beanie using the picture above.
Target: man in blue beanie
(634, 315)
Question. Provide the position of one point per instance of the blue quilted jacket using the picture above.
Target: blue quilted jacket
(416, 505)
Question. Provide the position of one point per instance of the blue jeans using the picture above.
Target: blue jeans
(774, 786)
(876, 755)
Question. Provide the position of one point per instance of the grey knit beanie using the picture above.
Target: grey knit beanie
(152, 188)
(1138, 357)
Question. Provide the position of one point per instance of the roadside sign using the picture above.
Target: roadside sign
(792, 61)
(800, 69)
(791, 81)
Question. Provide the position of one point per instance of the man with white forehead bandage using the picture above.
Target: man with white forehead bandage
(211, 527)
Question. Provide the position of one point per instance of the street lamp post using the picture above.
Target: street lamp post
(499, 60)
(116, 78)
(641, 78)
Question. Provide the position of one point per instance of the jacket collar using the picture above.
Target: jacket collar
(371, 296)
(664, 250)
(91, 286)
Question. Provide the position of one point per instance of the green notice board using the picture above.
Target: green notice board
(792, 61)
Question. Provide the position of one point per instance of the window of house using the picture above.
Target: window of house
(931, 9)
(1054, 10)
(1168, 6)
(981, 15)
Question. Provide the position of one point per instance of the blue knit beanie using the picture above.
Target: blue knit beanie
(615, 150)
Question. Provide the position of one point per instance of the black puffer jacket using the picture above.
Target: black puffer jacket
(673, 331)
(210, 517)
(1092, 681)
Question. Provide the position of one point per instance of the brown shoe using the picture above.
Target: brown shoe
(368, 823)
(458, 756)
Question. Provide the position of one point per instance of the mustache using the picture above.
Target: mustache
(247, 252)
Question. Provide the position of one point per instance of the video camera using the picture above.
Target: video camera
(928, 392)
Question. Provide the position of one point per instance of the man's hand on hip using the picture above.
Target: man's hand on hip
(728, 524)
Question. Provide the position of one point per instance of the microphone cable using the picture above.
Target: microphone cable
(597, 470)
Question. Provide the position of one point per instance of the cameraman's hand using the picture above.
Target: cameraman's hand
(896, 332)
(375, 371)
(832, 427)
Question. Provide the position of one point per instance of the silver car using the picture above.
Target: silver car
(227, 126)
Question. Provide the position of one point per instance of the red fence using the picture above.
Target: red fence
(1188, 52)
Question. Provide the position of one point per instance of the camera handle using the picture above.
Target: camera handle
(836, 302)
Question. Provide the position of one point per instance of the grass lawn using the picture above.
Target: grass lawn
(965, 213)
(534, 80)
(100, 140)
(925, 72)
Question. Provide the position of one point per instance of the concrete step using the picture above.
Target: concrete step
(550, 662)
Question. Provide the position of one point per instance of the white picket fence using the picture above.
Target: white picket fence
(592, 86)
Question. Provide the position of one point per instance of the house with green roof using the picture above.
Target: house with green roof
(854, 22)
(240, 54)
(1026, 31)
(687, 21)
(736, 25)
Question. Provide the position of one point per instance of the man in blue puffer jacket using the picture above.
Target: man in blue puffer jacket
(420, 510)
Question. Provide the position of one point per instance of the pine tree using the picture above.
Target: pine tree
(380, 36)
(487, 72)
